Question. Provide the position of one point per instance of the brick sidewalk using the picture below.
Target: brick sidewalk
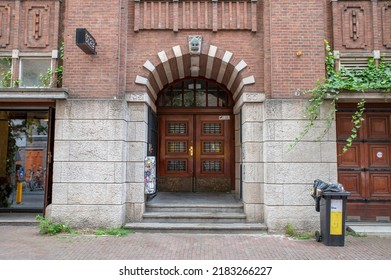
(25, 243)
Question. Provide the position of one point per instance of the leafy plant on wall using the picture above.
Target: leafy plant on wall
(5, 71)
(46, 78)
(344, 80)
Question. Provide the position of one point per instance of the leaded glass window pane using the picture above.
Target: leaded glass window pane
(212, 166)
(211, 128)
(177, 128)
(176, 165)
(176, 147)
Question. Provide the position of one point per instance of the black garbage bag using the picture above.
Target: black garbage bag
(324, 187)
(327, 187)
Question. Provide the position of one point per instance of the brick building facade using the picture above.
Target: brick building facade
(247, 64)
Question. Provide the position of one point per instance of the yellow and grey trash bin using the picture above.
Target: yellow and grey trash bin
(330, 201)
(332, 218)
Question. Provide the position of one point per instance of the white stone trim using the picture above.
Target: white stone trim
(151, 68)
(55, 54)
(140, 97)
(163, 58)
(195, 66)
(179, 60)
(15, 53)
(223, 67)
(246, 81)
(18, 94)
(356, 96)
(249, 80)
(249, 97)
(376, 54)
(239, 67)
(144, 81)
(209, 64)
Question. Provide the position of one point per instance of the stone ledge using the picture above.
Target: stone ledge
(33, 94)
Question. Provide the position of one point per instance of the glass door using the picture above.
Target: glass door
(23, 158)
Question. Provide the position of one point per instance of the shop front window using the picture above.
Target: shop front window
(5, 72)
(35, 72)
(23, 152)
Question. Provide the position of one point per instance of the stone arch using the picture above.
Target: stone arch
(212, 63)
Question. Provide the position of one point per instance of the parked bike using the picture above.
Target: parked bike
(37, 179)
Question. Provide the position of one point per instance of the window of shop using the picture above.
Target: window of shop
(35, 72)
(5, 72)
(23, 157)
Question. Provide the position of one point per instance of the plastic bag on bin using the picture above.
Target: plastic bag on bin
(324, 187)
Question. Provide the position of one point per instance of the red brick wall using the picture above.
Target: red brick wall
(146, 44)
(295, 26)
(362, 26)
(29, 26)
(284, 28)
(93, 75)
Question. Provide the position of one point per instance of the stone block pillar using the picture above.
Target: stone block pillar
(138, 104)
(89, 176)
(290, 173)
(249, 154)
(137, 149)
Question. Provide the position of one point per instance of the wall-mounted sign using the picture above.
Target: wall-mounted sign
(224, 118)
(379, 154)
(85, 41)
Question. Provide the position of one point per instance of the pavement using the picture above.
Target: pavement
(21, 240)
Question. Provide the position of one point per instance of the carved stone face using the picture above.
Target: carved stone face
(195, 45)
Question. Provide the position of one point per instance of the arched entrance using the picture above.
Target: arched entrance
(196, 137)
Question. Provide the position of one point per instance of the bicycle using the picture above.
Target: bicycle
(37, 179)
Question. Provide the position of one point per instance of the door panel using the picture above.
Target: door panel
(378, 126)
(379, 185)
(352, 182)
(213, 153)
(195, 153)
(351, 158)
(365, 169)
(175, 168)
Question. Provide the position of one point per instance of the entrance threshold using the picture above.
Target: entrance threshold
(19, 219)
(369, 228)
(193, 199)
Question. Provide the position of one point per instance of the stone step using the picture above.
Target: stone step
(194, 217)
(222, 208)
(216, 228)
(18, 219)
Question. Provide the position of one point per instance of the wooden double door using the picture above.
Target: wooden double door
(365, 169)
(195, 153)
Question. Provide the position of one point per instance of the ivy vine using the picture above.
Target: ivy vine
(357, 80)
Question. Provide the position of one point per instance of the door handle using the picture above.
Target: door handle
(191, 151)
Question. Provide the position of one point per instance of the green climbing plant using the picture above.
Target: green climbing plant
(344, 80)
(5, 72)
(46, 78)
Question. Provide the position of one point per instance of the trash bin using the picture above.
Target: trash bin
(331, 203)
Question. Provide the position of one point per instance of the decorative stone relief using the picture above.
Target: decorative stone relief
(37, 26)
(195, 43)
(386, 25)
(353, 27)
(5, 25)
(195, 14)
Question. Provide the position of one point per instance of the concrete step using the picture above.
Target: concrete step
(18, 219)
(194, 217)
(370, 228)
(223, 208)
(243, 228)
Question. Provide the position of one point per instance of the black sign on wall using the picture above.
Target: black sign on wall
(85, 41)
